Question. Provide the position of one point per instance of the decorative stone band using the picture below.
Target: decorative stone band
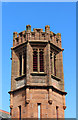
(50, 89)
(36, 87)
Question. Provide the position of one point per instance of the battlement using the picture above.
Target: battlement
(36, 34)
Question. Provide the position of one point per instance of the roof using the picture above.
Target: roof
(4, 114)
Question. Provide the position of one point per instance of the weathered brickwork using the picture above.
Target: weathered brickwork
(37, 96)
(37, 80)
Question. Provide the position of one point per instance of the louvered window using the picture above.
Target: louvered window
(38, 60)
(22, 63)
(35, 57)
(53, 62)
(41, 58)
(20, 59)
(55, 65)
(25, 63)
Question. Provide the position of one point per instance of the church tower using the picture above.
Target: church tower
(37, 80)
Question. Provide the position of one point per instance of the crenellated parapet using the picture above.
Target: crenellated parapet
(36, 34)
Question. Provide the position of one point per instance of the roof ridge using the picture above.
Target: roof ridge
(5, 111)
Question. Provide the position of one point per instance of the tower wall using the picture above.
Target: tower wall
(37, 74)
(37, 96)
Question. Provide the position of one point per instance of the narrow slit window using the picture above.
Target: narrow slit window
(35, 61)
(39, 105)
(19, 112)
(41, 56)
(11, 111)
(24, 63)
(57, 112)
(20, 58)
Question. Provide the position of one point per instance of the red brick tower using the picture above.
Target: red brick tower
(37, 80)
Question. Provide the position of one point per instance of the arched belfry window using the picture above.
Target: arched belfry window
(35, 57)
(38, 60)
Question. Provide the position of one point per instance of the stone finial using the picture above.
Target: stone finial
(28, 28)
(58, 36)
(51, 32)
(15, 34)
(47, 28)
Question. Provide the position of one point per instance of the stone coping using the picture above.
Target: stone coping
(39, 87)
(20, 77)
(56, 78)
(38, 74)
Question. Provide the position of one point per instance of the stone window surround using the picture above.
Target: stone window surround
(38, 61)
(54, 52)
(53, 62)
(21, 53)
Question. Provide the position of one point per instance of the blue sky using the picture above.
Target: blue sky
(62, 19)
